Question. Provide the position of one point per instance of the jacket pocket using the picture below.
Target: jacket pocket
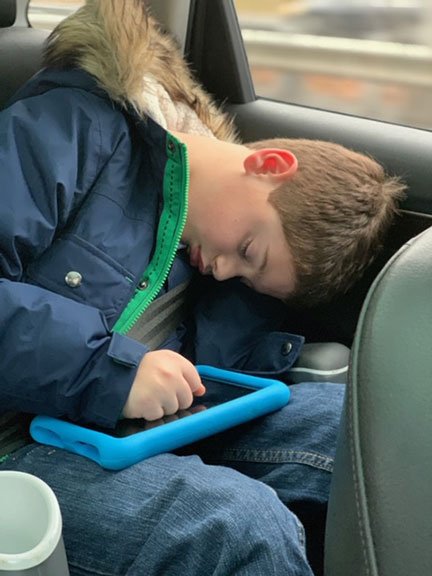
(80, 271)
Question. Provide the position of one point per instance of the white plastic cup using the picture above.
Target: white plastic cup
(31, 542)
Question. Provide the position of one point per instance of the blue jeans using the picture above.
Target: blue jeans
(221, 507)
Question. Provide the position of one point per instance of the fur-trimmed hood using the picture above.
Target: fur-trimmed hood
(119, 43)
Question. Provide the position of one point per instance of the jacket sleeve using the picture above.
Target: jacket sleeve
(241, 330)
(57, 356)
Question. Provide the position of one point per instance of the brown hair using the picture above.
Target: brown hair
(335, 212)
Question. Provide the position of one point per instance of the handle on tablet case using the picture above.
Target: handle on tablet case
(62, 434)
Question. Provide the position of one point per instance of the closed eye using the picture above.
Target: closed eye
(244, 250)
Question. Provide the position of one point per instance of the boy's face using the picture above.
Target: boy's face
(233, 231)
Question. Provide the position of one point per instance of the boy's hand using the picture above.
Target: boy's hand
(164, 383)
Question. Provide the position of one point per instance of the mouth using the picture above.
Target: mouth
(196, 260)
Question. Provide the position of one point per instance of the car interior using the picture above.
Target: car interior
(379, 519)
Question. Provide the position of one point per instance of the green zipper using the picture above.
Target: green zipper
(170, 229)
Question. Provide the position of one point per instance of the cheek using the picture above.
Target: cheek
(279, 283)
(271, 287)
(219, 241)
(221, 231)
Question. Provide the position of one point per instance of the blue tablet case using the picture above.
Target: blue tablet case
(115, 452)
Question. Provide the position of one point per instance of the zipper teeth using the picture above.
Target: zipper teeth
(157, 286)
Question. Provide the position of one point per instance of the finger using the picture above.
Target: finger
(170, 404)
(192, 377)
(201, 390)
(184, 395)
(153, 412)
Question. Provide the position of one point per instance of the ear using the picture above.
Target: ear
(278, 163)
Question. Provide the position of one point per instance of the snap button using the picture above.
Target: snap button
(143, 284)
(171, 145)
(73, 279)
(286, 348)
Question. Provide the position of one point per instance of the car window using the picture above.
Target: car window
(48, 13)
(363, 57)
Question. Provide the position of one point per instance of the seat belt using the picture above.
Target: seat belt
(161, 318)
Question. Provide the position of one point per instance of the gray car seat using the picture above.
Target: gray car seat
(20, 48)
(379, 520)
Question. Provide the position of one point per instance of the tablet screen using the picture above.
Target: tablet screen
(216, 393)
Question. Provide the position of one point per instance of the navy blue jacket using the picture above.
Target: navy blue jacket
(80, 190)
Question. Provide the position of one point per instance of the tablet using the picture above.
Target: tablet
(232, 398)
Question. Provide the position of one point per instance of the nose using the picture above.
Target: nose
(223, 268)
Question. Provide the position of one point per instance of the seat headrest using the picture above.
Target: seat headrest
(7, 13)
